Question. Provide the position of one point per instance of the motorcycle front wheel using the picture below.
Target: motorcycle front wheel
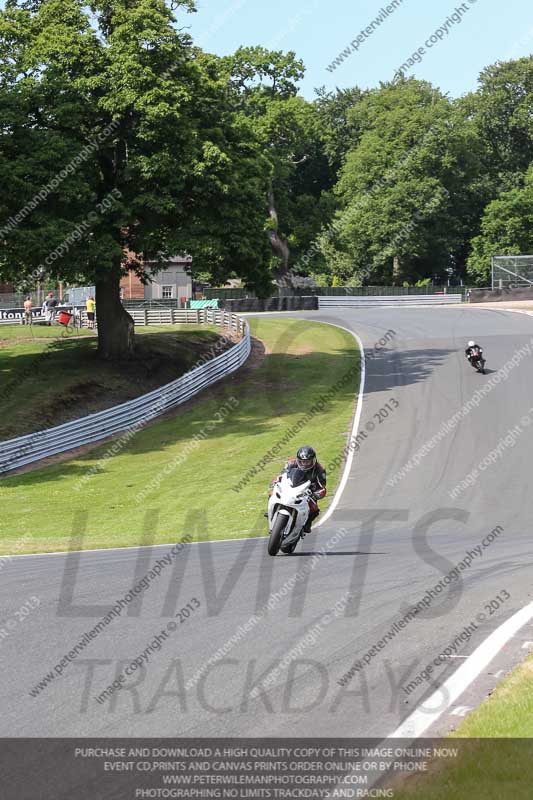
(274, 540)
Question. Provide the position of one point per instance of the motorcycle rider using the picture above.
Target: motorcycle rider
(307, 462)
(470, 348)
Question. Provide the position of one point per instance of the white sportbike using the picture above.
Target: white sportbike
(288, 511)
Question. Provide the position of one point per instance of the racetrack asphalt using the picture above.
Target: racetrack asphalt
(391, 544)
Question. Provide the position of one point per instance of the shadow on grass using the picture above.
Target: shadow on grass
(55, 351)
(67, 380)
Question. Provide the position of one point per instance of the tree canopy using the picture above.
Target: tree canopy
(506, 229)
(121, 141)
(118, 139)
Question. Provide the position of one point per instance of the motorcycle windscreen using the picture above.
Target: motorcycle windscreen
(297, 476)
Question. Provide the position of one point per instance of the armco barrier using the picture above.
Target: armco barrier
(132, 415)
(396, 300)
(271, 304)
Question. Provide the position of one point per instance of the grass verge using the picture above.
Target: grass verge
(496, 762)
(48, 381)
(194, 459)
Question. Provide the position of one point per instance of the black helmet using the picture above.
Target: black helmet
(306, 458)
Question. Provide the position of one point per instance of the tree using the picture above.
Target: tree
(339, 129)
(506, 229)
(403, 191)
(225, 210)
(111, 109)
(264, 90)
(502, 111)
(76, 85)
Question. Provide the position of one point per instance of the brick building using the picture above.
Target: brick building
(131, 287)
(170, 283)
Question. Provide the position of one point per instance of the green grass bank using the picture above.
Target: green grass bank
(179, 476)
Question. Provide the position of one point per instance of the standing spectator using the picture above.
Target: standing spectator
(90, 305)
(27, 319)
(45, 310)
(49, 308)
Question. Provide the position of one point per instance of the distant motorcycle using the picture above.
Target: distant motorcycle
(477, 360)
(288, 511)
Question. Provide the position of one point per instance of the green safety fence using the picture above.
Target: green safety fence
(204, 303)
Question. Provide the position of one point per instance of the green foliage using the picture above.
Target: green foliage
(259, 75)
(121, 86)
(404, 189)
(502, 111)
(339, 129)
(321, 279)
(263, 89)
(170, 149)
(506, 229)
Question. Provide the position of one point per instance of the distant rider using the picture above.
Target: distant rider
(469, 352)
(306, 461)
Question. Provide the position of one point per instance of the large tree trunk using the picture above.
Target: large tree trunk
(279, 245)
(115, 326)
(395, 270)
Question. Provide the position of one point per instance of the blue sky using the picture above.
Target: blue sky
(318, 30)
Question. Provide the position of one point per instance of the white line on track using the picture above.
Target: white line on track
(506, 310)
(334, 503)
(355, 427)
(514, 311)
(440, 701)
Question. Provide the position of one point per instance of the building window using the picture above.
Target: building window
(167, 292)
